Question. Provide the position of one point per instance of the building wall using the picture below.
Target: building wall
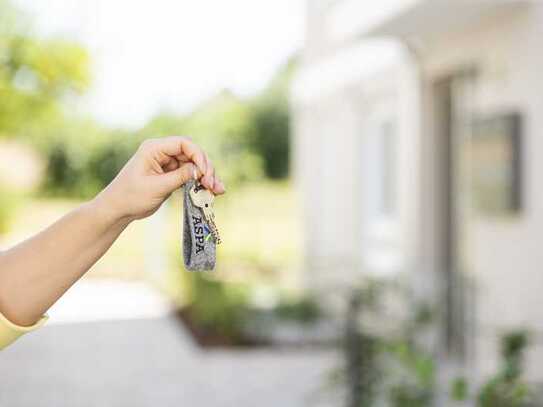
(340, 90)
(338, 104)
(504, 255)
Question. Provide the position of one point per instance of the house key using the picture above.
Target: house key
(203, 199)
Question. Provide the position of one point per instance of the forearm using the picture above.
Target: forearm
(37, 272)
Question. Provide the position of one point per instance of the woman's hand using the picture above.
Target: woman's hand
(159, 167)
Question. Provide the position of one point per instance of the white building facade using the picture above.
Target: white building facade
(386, 105)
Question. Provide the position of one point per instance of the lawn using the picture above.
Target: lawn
(125, 260)
(258, 224)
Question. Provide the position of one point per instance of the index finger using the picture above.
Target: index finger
(177, 145)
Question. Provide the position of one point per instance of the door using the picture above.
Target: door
(454, 112)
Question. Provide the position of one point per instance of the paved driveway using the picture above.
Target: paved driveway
(151, 362)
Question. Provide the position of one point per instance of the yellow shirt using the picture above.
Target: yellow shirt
(9, 332)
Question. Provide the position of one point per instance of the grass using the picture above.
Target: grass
(125, 260)
(258, 224)
(259, 227)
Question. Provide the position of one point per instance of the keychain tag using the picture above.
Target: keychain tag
(199, 231)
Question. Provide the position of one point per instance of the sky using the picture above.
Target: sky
(150, 56)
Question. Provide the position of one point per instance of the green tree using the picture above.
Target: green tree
(223, 127)
(36, 75)
(271, 121)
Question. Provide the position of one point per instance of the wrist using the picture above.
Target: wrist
(108, 211)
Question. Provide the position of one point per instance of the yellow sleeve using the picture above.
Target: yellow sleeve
(9, 332)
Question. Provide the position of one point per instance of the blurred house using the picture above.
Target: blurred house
(417, 140)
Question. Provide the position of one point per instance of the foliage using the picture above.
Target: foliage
(82, 157)
(247, 138)
(243, 137)
(305, 310)
(36, 75)
(506, 388)
(459, 389)
(271, 117)
(387, 365)
(218, 307)
(416, 387)
(222, 126)
(394, 367)
(361, 354)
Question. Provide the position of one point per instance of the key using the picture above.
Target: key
(203, 199)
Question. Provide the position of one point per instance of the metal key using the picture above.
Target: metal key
(203, 199)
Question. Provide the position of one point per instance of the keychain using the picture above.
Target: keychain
(200, 233)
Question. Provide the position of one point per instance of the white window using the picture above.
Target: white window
(380, 194)
(381, 170)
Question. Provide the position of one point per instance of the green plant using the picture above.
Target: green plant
(459, 389)
(415, 371)
(304, 310)
(222, 126)
(387, 365)
(361, 351)
(107, 159)
(218, 307)
(35, 74)
(506, 388)
(392, 366)
(82, 157)
(413, 368)
(271, 122)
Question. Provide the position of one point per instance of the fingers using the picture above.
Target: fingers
(218, 187)
(208, 180)
(176, 178)
(182, 160)
(176, 146)
(211, 181)
(172, 165)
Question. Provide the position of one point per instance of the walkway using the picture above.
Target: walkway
(151, 361)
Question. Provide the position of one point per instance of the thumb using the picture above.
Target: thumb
(175, 179)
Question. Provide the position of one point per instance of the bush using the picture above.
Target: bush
(107, 160)
(223, 127)
(218, 308)
(506, 388)
(305, 310)
(271, 122)
(272, 136)
(82, 158)
(394, 368)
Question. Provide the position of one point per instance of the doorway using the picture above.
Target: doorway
(453, 118)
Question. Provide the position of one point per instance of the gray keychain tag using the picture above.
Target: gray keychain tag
(199, 245)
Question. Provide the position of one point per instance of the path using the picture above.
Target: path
(151, 361)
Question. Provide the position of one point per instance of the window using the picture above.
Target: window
(382, 169)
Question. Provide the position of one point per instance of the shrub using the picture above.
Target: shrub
(82, 158)
(304, 310)
(271, 122)
(218, 307)
(506, 388)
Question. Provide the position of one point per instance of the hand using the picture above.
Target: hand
(159, 167)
